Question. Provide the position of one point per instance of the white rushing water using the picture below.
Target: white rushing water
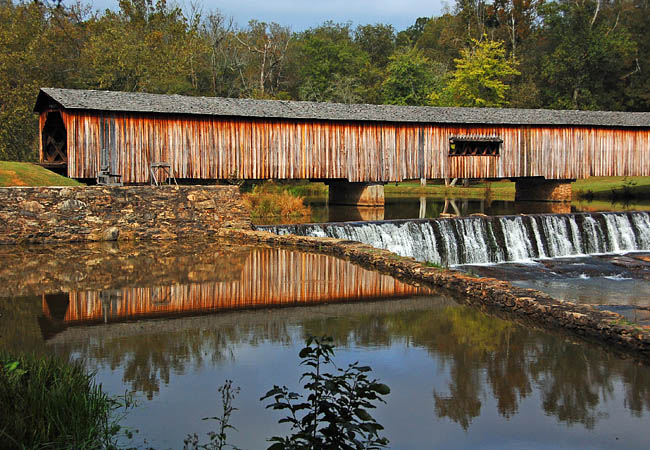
(489, 240)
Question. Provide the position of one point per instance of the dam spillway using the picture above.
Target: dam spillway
(491, 240)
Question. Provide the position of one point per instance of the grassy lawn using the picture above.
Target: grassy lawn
(612, 188)
(28, 174)
(497, 190)
(594, 188)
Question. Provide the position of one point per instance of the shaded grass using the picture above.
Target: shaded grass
(28, 174)
(594, 188)
(498, 190)
(612, 188)
(270, 199)
(49, 404)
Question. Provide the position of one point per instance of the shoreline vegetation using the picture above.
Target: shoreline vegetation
(270, 199)
(54, 404)
(613, 189)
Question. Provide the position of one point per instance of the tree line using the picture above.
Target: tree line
(562, 54)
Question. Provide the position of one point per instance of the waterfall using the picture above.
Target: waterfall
(489, 240)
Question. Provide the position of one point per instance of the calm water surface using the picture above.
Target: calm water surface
(414, 207)
(172, 322)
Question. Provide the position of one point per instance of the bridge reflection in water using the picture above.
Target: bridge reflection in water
(269, 277)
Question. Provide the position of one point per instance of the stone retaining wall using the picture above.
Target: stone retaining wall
(101, 213)
(487, 293)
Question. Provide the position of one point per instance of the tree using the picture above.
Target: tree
(266, 45)
(589, 58)
(481, 76)
(410, 78)
(322, 54)
(378, 41)
(410, 36)
(145, 47)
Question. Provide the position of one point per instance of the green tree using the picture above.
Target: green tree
(322, 54)
(410, 78)
(378, 41)
(588, 57)
(144, 47)
(481, 77)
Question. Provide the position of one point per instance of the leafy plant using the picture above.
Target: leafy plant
(218, 440)
(335, 413)
(48, 403)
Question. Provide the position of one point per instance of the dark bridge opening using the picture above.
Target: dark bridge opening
(54, 140)
(474, 145)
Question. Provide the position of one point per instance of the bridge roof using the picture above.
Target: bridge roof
(281, 109)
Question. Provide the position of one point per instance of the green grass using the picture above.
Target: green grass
(594, 188)
(612, 188)
(48, 403)
(28, 174)
(496, 190)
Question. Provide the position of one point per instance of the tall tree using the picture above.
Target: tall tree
(410, 78)
(322, 54)
(481, 76)
(587, 57)
(266, 45)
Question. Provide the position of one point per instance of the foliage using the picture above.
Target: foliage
(218, 440)
(324, 53)
(410, 78)
(47, 403)
(270, 199)
(587, 63)
(481, 76)
(335, 413)
(586, 54)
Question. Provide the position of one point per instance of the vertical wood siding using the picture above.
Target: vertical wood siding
(220, 148)
(269, 277)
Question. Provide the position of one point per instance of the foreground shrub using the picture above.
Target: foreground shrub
(47, 403)
(335, 414)
(272, 200)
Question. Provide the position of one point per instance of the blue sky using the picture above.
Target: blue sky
(302, 14)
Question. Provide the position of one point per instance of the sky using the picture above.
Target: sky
(302, 14)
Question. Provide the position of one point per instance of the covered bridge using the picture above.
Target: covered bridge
(208, 138)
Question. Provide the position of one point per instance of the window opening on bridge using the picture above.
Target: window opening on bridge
(474, 145)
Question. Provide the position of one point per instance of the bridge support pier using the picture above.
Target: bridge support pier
(360, 194)
(542, 190)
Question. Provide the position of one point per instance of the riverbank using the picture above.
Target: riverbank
(594, 188)
(486, 293)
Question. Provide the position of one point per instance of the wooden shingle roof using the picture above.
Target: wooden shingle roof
(281, 109)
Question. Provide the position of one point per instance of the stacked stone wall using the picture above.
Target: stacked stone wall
(46, 215)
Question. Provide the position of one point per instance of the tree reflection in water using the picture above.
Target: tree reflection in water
(484, 357)
(486, 352)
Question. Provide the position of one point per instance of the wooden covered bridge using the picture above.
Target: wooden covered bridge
(354, 148)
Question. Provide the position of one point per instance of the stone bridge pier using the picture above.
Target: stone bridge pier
(342, 192)
(539, 189)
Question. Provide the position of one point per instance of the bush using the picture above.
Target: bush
(335, 414)
(50, 404)
(272, 200)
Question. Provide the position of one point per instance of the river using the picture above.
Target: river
(171, 322)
